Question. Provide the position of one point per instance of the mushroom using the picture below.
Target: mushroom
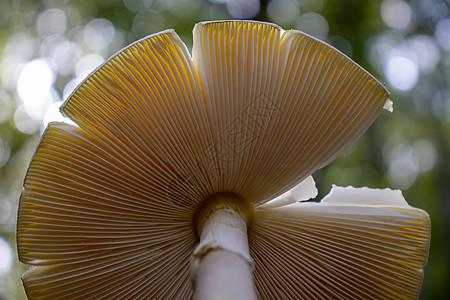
(168, 186)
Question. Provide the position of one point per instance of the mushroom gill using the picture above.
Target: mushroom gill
(108, 206)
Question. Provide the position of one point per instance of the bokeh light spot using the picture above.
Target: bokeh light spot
(396, 14)
(243, 9)
(442, 33)
(402, 73)
(314, 24)
(98, 34)
(402, 173)
(35, 87)
(6, 257)
(19, 49)
(283, 12)
(426, 51)
(427, 154)
(342, 44)
(87, 64)
(440, 105)
(24, 122)
(403, 166)
(148, 22)
(63, 53)
(51, 21)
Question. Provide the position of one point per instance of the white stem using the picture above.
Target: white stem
(222, 266)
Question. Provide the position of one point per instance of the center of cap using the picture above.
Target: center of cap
(225, 202)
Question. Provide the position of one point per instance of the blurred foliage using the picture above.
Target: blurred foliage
(47, 47)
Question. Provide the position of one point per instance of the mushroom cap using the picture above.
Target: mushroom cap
(107, 205)
(254, 111)
(357, 243)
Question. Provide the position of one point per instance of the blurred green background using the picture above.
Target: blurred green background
(48, 47)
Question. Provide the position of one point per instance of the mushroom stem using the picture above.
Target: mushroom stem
(222, 266)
